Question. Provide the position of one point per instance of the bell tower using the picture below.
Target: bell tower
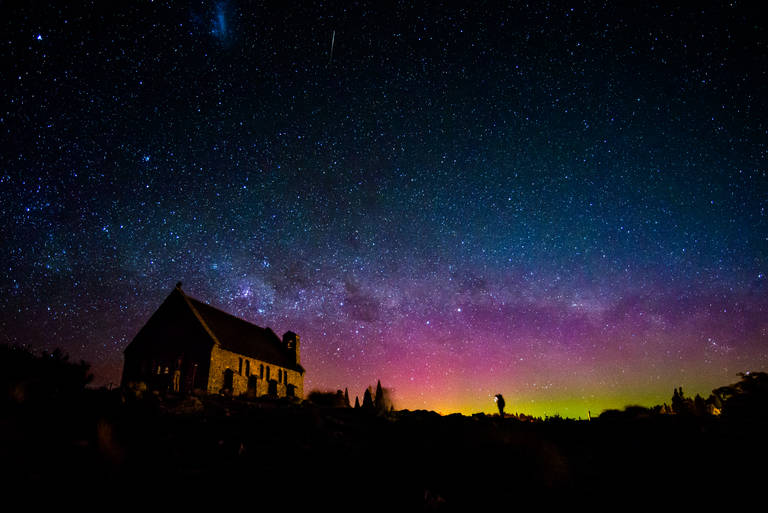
(291, 342)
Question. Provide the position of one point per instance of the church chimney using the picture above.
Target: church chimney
(291, 343)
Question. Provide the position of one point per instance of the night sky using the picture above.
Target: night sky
(564, 203)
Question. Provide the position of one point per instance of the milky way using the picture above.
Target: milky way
(566, 205)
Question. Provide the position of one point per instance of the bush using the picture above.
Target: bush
(29, 377)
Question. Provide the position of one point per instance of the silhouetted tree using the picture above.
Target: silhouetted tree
(25, 376)
(676, 400)
(378, 401)
(715, 401)
(746, 399)
(367, 400)
(680, 404)
(383, 402)
(327, 399)
(699, 405)
(346, 397)
(357, 402)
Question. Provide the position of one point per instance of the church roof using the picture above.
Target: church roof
(240, 336)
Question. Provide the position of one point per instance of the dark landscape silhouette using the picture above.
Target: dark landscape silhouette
(59, 434)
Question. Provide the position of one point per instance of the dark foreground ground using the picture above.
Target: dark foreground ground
(105, 453)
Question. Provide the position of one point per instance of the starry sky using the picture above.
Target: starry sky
(561, 202)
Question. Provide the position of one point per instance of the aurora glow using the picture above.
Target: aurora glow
(566, 205)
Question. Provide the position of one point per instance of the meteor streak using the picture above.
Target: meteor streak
(333, 41)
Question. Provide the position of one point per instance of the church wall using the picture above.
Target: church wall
(221, 360)
(171, 340)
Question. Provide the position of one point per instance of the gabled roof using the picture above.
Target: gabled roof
(239, 336)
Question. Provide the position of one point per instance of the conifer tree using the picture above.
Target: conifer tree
(378, 402)
(367, 400)
(346, 397)
(357, 402)
(678, 400)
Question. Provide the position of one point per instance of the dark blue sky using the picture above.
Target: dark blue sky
(564, 203)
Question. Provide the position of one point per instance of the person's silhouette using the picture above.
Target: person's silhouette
(500, 403)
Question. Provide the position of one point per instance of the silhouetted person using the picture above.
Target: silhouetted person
(500, 403)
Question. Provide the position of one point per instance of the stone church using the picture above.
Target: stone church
(188, 346)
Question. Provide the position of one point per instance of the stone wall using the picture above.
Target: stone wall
(221, 360)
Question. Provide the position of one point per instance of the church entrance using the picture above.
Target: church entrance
(253, 382)
(228, 380)
(272, 387)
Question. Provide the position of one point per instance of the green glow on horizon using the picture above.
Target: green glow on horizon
(569, 407)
